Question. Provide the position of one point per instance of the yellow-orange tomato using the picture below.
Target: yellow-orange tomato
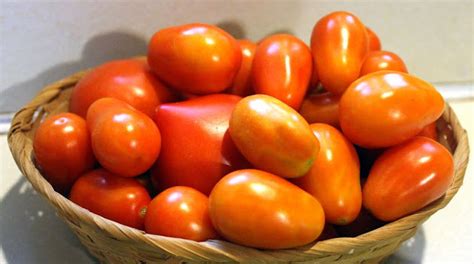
(382, 60)
(258, 209)
(273, 136)
(242, 85)
(339, 44)
(385, 108)
(334, 177)
(282, 68)
(321, 108)
(373, 40)
(430, 131)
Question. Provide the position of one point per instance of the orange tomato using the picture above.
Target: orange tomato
(339, 44)
(242, 85)
(334, 177)
(195, 58)
(321, 108)
(385, 108)
(408, 177)
(273, 136)
(430, 131)
(373, 40)
(382, 60)
(258, 209)
(282, 68)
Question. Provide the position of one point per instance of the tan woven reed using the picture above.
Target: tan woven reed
(115, 243)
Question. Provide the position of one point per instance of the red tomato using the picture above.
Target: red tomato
(128, 80)
(373, 40)
(63, 150)
(258, 209)
(408, 177)
(197, 151)
(339, 44)
(195, 58)
(242, 85)
(321, 108)
(385, 108)
(125, 141)
(122, 200)
(430, 131)
(382, 60)
(314, 78)
(334, 177)
(282, 68)
(180, 212)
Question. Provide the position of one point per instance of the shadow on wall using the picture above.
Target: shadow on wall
(411, 251)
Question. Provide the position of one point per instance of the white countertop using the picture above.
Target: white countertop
(30, 232)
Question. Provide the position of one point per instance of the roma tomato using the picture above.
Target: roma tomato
(430, 131)
(321, 108)
(195, 58)
(180, 212)
(196, 150)
(124, 140)
(385, 108)
(382, 60)
(408, 177)
(339, 44)
(334, 177)
(63, 149)
(258, 209)
(273, 136)
(120, 199)
(128, 80)
(373, 40)
(282, 68)
(242, 85)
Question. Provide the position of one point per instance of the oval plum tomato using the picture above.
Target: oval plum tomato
(373, 40)
(334, 177)
(385, 108)
(180, 212)
(63, 149)
(124, 140)
(382, 60)
(321, 108)
(258, 209)
(128, 80)
(408, 177)
(273, 136)
(282, 68)
(120, 199)
(430, 131)
(339, 44)
(195, 58)
(242, 85)
(196, 149)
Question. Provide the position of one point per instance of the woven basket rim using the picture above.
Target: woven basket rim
(216, 250)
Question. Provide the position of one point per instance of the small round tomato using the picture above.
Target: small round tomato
(430, 131)
(382, 60)
(242, 85)
(373, 40)
(385, 108)
(63, 150)
(120, 199)
(282, 68)
(408, 177)
(273, 136)
(321, 108)
(258, 209)
(180, 212)
(124, 140)
(128, 80)
(195, 58)
(339, 44)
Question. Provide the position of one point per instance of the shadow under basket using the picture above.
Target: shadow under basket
(115, 243)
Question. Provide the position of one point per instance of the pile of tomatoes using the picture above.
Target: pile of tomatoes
(261, 144)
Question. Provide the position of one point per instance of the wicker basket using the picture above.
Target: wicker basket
(115, 243)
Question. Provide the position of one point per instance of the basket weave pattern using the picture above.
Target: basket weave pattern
(115, 243)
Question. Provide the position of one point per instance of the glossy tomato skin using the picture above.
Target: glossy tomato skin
(258, 209)
(63, 149)
(242, 85)
(373, 40)
(125, 141)
(321, 108)
(334, 177)
(282, 68)
(430, 131)
(408, 177)
(180, 212)
(339, 44)
(111, 196)
(382, 60)
(197, 150)
(195, 58)
(385, 108)
(128, 80)
(272, 136)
